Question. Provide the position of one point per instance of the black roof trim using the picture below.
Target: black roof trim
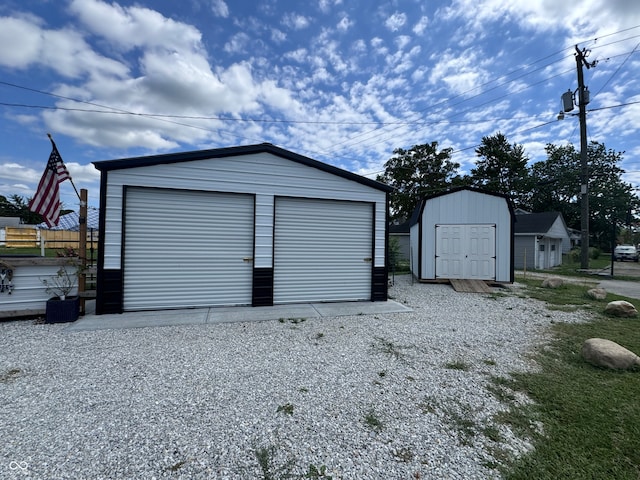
(417, 213)
(134, 162)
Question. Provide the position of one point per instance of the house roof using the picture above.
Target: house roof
(70, 221)
(535, 223)
(403, 227)
(134, 162)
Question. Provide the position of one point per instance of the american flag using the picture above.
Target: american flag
(46, 201)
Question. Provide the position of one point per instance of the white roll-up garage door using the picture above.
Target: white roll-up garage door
(187, 249)
(322, 250)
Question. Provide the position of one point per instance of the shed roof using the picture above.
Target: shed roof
(134, 162)
(417, 212)
(535, 223)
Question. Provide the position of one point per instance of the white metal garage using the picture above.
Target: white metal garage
(463, 233)
(252, 225)
(323, 250)
(176, 238)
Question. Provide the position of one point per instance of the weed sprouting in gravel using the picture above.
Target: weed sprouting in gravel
(372, 421)
(286, 408)
(403, 454)
(387, 347)
(9, 375)
(266, 456)
(458, 365)
(317, 473)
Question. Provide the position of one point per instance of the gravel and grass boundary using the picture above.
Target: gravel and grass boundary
(394, 396)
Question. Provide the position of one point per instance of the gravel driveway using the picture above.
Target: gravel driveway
(367, 397)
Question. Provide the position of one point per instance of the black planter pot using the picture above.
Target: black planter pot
(61, 311)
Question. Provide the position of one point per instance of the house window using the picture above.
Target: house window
(542, 247)
(553, 248)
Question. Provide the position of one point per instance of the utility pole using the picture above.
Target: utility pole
(583, 99)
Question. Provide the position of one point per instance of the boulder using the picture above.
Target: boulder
(620, 308)
(605, 353)
(597, 293)
(552, 282)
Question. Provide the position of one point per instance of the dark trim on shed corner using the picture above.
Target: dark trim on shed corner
(134, 162)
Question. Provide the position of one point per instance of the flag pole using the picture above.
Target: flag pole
(70, 179)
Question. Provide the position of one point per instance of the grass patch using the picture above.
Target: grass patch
(387, 347)
(569, 297)
(269, 465)
(286, 408)
(292, 320)
(320, 472)
(9, 375)
(584, 422)
(372, 421)
(458, 365)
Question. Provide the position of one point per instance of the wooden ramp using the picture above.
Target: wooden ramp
(474, 286)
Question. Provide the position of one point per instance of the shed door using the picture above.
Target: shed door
(466, 252)
(322, 250)
(187, 249)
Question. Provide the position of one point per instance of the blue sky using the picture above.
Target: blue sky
(344, 82)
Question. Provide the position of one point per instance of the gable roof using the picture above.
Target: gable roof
(134, 162)
(536, 223)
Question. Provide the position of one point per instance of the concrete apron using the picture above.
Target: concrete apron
(196, 316)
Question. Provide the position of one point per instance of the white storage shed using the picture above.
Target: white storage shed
(251, 225)
(464, 233)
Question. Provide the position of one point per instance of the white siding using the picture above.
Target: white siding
(263, 174)
(29, 293)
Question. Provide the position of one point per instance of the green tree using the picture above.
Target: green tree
(557, 188)
(17, 206)
(502, 168)
(416, 173)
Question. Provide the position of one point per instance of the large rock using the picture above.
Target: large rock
(597, 293)
(605, 353)
(620, 308)
(552, 282)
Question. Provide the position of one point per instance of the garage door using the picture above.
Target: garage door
(322, 250)
(187, 249)
(466, 252)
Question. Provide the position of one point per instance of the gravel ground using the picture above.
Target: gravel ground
(366, 397)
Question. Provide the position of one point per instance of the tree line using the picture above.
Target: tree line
(502, 167)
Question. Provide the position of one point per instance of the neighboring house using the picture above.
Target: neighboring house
(251, 225)
(71, 221)
(400, 232)
(540, 240)
(464, 233)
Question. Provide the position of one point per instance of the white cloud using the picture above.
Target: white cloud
(295, 21)
(238, 43)
(64, 51)
(219, 8)
(396, 21)
(278, 36)
(460, 72)
(344, 24)
(421, 26)
(299, 55)
(130, 27)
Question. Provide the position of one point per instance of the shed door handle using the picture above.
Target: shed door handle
(247, 259)
(368, 259)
